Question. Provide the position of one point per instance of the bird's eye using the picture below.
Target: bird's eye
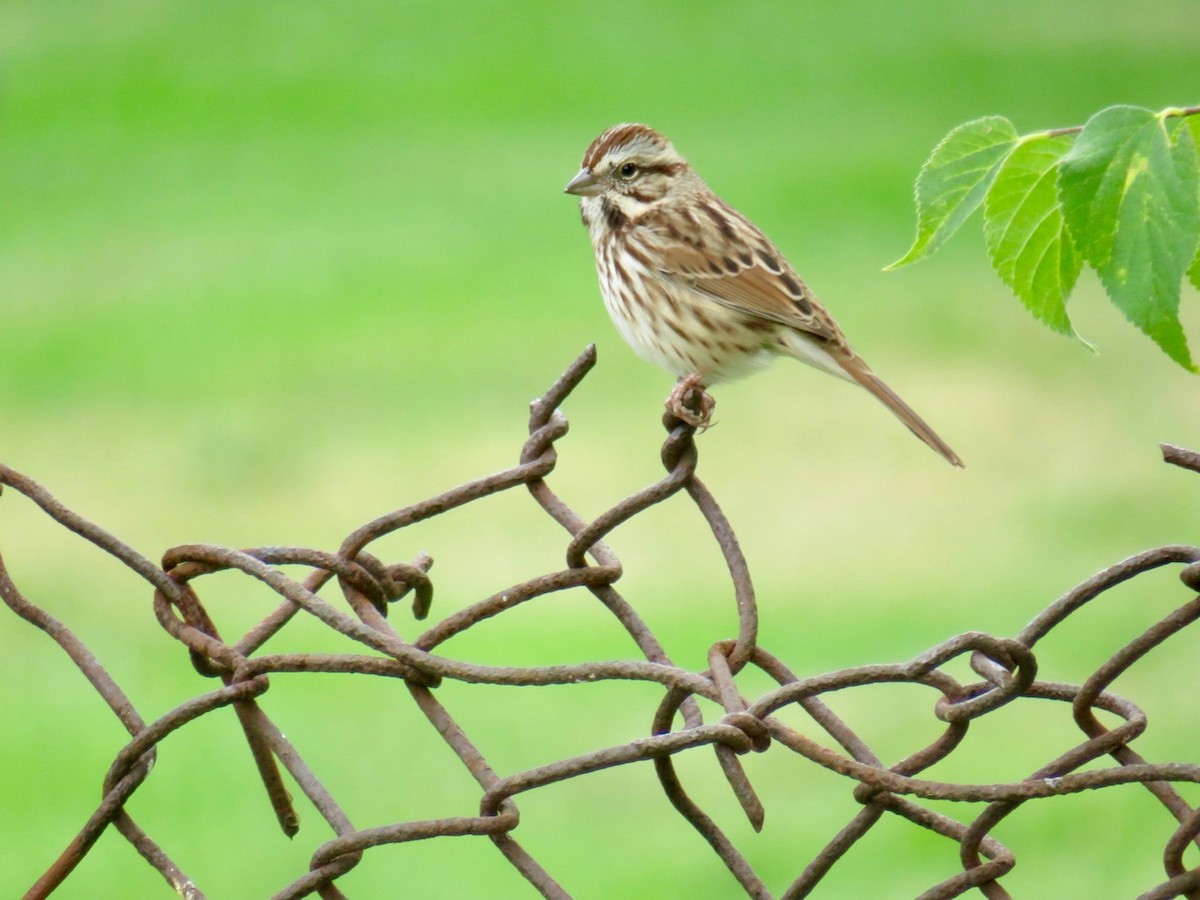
(628, 171)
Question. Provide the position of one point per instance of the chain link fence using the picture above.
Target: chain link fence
(1006, 667)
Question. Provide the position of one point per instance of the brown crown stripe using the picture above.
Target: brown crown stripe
(615, 137)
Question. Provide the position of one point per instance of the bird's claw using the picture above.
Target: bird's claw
(691, 404)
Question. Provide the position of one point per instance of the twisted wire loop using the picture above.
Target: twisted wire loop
(1006, 667)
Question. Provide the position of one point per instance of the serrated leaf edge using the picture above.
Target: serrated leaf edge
(921, 249)
(1020, 290)
(1186, 362)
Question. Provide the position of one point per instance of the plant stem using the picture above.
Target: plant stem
(1075, 129)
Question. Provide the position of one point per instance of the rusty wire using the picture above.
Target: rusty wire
(1007, 668)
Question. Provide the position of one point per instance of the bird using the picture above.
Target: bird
(693, 286)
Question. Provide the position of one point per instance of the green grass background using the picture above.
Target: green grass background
(269, 270)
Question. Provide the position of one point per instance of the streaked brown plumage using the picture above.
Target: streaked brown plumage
(693, 286)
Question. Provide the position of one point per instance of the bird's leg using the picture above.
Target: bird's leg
(690, 403)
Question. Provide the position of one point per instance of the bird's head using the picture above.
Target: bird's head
(629, 168)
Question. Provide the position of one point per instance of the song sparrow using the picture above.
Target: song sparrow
(696, 288)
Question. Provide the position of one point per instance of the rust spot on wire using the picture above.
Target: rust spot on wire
(1007, 668)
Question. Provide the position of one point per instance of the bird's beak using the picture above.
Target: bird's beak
(584, 184)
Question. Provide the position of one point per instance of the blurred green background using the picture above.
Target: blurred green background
(270, 270)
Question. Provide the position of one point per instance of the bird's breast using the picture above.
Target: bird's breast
(676, 327)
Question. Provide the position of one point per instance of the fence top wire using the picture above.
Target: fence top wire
(1007, 669)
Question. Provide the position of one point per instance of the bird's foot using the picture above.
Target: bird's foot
(690, 403)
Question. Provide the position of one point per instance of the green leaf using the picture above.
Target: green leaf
(1131, 198)
(1026, 236)
(1193, 122)
(954, 179)
(1193, 273)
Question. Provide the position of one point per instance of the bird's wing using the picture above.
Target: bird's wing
(732, 262)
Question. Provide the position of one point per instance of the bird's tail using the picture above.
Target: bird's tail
(859, 371)
(838, 359)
